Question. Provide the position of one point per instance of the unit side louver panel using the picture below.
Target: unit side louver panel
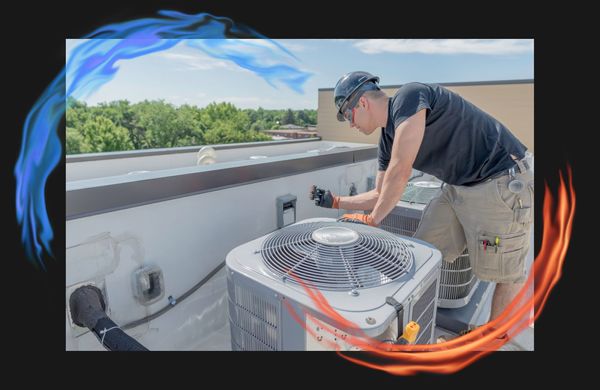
(425, 335)
(254, 320)
(421, 192)
(400, 224)
(244, 341)
(457, 278)
(423, 302)
(423, 312)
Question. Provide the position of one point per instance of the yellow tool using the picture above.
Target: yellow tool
(410, 333)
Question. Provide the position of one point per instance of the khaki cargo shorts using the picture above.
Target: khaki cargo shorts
(489, 220)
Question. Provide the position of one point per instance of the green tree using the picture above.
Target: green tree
(225, 132)
(187, 127)
(302, 118)
(222, 133)
(155, 123)
(75, 142)
(119, 112)
(104, 136)
(77, 113)
(312, 117)
(288, 117)
(226, 113)
(253, 115)
(260, 125)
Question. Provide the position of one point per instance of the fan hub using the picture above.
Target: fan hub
(335, 236)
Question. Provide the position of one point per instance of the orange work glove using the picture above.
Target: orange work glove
(361, 218)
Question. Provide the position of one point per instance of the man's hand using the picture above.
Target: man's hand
(358, 218)
(324, 198)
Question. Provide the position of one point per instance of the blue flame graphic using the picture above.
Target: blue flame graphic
(94, 63)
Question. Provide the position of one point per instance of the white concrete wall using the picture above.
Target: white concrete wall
(187, 238)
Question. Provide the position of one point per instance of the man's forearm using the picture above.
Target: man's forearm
(391, 192)
(364, 201)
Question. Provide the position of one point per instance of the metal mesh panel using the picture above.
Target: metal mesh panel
(253, 320)
(427, 316)
(421, 191)
(255, 305)
(244, 341)
(400, 224)
(336, 255)
(406, 221)
(425, 335)
(457, 278)
(423, 303)
(423, 312)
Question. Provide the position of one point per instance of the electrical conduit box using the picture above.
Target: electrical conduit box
(286, 210)
(148, 284)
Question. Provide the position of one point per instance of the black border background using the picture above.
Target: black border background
(34, 53)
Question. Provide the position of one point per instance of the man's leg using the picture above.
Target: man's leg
(497, 225)
(440, 227)
(503, 296)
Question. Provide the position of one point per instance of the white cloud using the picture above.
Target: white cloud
(247, 100)
(197, 61)
(259, 45)
(446, 46)
(293, 46)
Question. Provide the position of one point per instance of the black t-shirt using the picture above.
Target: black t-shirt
(462, 144)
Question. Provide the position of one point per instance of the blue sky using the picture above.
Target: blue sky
(186, 75)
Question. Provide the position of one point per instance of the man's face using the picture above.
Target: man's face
(359, 116)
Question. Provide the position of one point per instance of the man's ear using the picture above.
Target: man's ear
(364, 101)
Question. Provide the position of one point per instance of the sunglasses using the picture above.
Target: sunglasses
(349, 114)
(348, 107)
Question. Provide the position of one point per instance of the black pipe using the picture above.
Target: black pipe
(88, 310)
(113, 338)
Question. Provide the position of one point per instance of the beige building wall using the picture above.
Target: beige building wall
(511, 102)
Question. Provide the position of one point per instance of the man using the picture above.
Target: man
(487, 202)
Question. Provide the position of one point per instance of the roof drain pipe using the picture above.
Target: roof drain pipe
(88, 310)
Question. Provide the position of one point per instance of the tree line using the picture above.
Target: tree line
(121, 125)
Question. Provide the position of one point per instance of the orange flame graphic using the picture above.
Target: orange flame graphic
(454, 355)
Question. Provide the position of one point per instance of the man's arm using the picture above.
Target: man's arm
(407, 141)
(366, 200)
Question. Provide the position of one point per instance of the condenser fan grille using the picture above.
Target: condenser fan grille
(336, 255)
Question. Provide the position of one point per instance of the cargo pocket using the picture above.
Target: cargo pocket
(524, 214)
(500, 256)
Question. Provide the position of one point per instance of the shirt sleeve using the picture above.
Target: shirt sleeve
(410, 99)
